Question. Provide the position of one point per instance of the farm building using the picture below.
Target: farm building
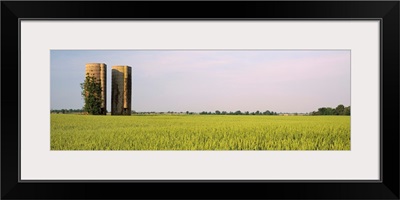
(121, 90)
(99, 71)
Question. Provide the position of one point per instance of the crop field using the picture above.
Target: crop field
(199, 132)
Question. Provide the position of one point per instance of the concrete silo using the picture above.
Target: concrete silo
(121, 90)
(99, 71)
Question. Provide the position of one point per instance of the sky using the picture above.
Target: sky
(208, 80)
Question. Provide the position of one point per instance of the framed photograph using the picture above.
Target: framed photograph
(214, 98)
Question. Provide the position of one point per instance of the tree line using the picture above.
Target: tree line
(217, 112)
(339, 110)
(66, 111)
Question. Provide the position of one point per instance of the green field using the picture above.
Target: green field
(199, 132)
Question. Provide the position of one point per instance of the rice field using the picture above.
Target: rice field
(199, 132)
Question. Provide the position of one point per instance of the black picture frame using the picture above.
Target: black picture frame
(386, 11)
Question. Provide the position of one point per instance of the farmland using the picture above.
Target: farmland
(199, 132)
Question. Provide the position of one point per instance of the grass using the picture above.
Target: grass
(199, 132)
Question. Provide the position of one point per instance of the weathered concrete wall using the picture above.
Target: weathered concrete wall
(99, 71)
(121, 90)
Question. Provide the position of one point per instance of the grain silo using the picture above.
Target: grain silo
(99, 71)
(121, 90)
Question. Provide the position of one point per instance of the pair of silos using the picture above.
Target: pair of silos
(121, 87)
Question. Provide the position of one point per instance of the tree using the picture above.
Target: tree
(322, 111)
(330, 111)
(91, 93)
(346, 111)
(340, 110)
